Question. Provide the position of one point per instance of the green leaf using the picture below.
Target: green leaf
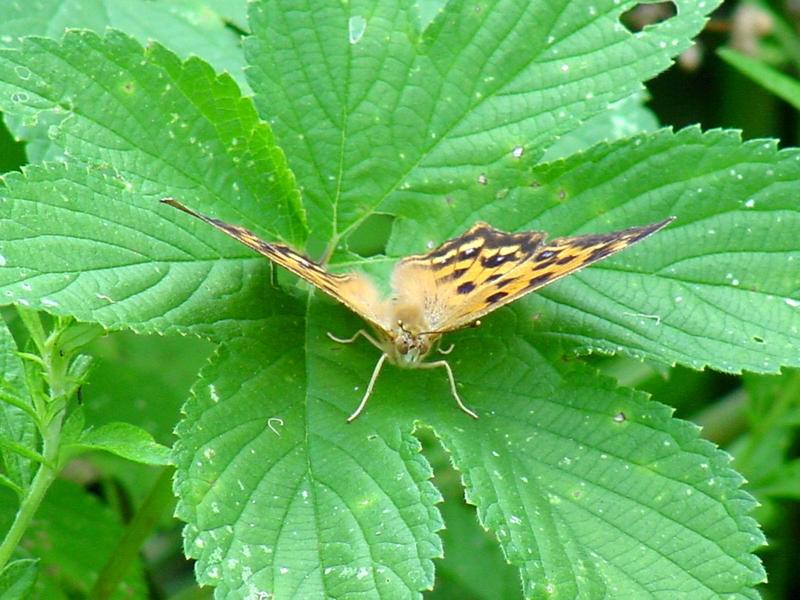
(10, 446)
(200, 138)
(624, 118)
(281, 496)
(470, 552)
(151, 277)
(588, 488)
(17, 579)
(11, 485)
(772, 80)
(375, 113)
(78, 335)
(72, 536)
(73, 426)
(125, 440)
(591, 490)
(117, 273)
(18, 439)
(711, 290)
(187, 27)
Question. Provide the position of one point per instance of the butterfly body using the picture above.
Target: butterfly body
(448, 288)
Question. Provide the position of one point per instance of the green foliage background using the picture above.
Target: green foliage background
(330, 124)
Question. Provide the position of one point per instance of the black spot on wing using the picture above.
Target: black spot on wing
(454, 274)
(497, 296)
(543, 264)
(504, 282)
(490, 262)
(468, 253)
(466, 287)
(527, 241)
(540, 280)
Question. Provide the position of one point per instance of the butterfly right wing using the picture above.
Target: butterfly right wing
(354, 290)
(485, 268)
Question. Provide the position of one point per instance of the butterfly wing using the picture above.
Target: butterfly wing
(484, 269)
(353, 290)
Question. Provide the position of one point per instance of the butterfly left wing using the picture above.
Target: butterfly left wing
(484, 269)
(354, 290)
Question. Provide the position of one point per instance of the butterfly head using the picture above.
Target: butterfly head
(409, 345)
(410, 339)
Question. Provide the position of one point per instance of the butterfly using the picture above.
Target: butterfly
(448, 288)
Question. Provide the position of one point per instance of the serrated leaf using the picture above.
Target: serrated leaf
(623, 119)
(167, 127)
(282, 498)
(584, 501)
(125, 440)
(17, 579)
(186, 27)
(17, 430)
(470, 553)
(375, 113)
(711, 290)
(149, 277)
(582, 482)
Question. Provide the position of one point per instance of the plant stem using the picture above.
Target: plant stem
(54, 370)
(45, 476)
(158, 500)
(770, 421)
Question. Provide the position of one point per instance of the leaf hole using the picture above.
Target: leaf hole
(370, 238)
(646, 14)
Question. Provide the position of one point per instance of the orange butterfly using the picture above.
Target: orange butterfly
(448, 288)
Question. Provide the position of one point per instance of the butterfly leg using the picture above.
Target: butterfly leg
(360, 332)
(371, 384)
(448, 351)
(446, 365)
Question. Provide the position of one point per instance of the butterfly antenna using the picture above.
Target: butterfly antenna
(443, 331)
